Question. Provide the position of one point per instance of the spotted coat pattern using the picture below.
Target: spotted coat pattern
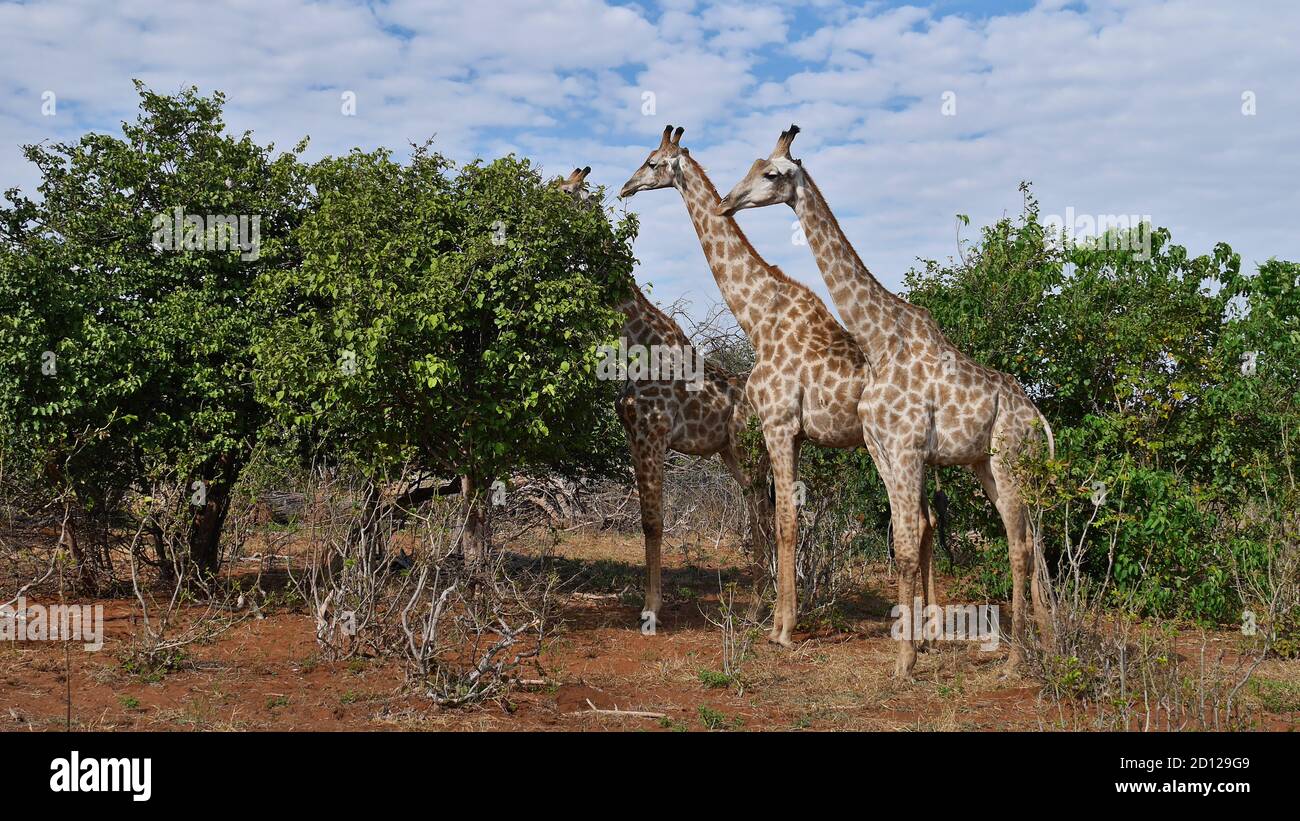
(809, 373)
(923, 401)
(659, 415)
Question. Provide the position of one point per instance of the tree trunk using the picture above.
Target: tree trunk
(365, 532)
(473, 534)
(210, 518)
(84, 575)
(205, 531)
(166, 563)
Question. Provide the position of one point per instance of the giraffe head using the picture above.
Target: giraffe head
(661, 168)
(769, 181)
(574, 184)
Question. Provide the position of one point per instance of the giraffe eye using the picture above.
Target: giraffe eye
(771, 175)
(651, 164)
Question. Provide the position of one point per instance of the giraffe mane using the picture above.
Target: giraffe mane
(895, 298)
(675, 330)
(774, 270)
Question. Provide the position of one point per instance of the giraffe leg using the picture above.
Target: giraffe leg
(906, 486)
(783, 450)
(1042, 613)
(927, 563)
(1000, 485)
(648, 452)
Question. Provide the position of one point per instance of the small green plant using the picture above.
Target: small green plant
(1068, 677)
(1286, 643)
(277, 701)
(1276, 696)
(350, 697)
(129, 702)
(715, 680)
(738, 636)
(833, 619)
(286, 599)
(715, 720)
(953, 689)
(152, 668)
(673, 725)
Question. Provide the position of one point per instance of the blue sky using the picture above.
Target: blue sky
(1109, 107)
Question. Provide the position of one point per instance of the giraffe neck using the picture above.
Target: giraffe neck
(867, 307)
(746, 280)
(645, 324)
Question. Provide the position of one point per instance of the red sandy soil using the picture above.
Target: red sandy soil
(268, 674)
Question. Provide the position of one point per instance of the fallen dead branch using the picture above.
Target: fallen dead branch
(617, 712)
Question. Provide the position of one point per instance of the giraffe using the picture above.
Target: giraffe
(808, 372)
(659, 415)
(924, 403)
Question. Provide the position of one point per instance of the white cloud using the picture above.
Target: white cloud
(1119, 106)
(742, 27)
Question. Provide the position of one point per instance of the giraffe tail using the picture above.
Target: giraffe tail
(1051, 440)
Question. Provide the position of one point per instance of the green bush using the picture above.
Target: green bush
(123, 364)
(1142, 368)
(446, 318)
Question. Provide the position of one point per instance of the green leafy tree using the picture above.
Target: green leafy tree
(446, 319)
(124, 357)
(1138, 360)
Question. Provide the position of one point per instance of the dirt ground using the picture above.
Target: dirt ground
(267, 674)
